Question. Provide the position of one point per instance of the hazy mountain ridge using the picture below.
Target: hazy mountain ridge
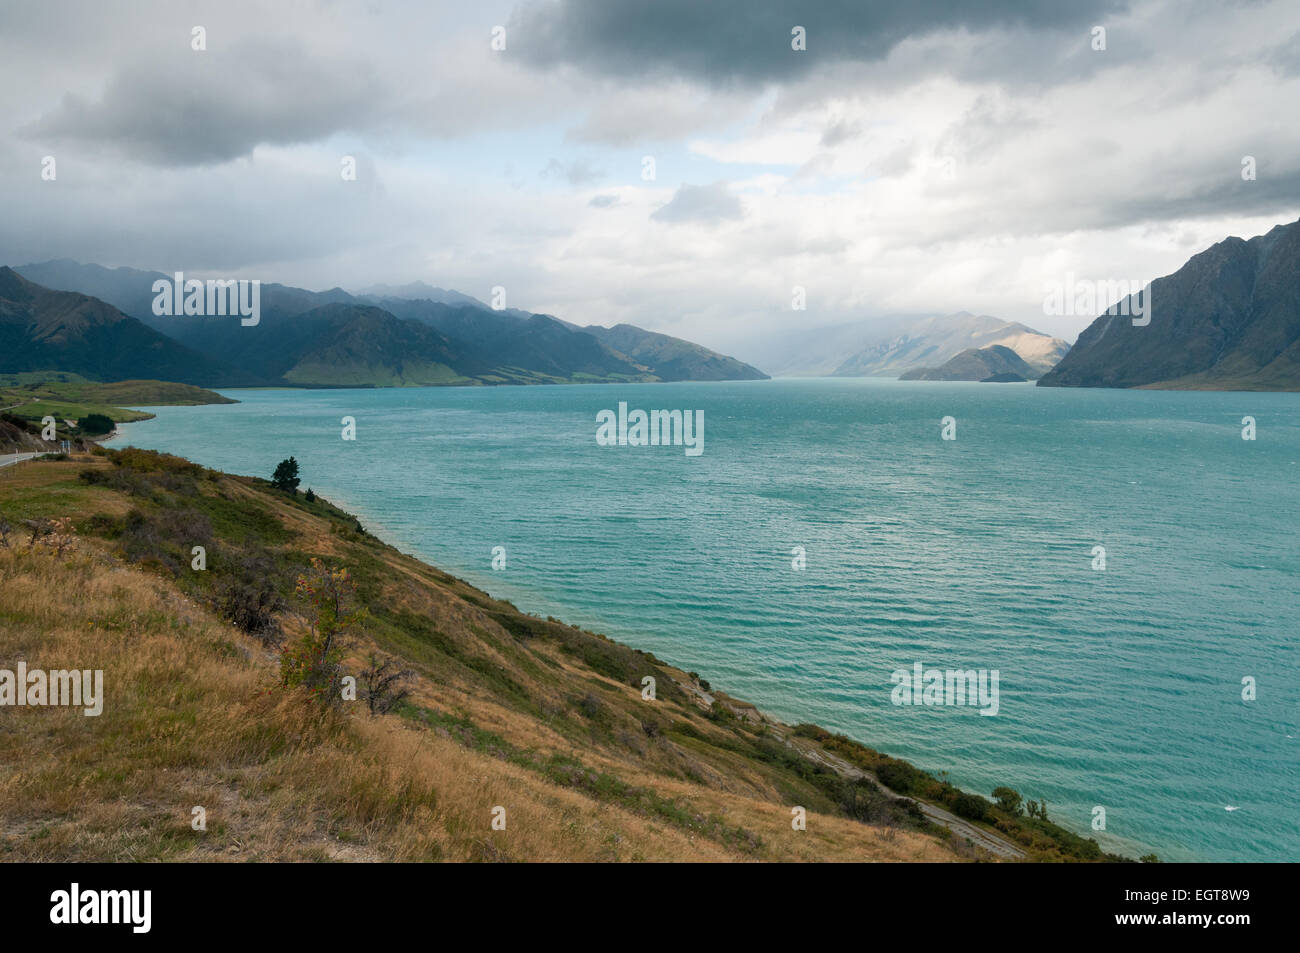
(333, 338)
(932, 342)
(893, 345)
(1229, 319)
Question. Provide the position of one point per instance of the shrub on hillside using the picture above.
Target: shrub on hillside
(124, 481)
(863, 801)
(314, 661)
(970, 806)
(151, 461)
(248, 598)
(897, 776)
(1009, 800)
(164, 537)
(95, 424)
(381, 685)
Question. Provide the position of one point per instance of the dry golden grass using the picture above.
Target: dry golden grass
(193, 717)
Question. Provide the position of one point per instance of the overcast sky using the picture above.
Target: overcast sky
(917, 157)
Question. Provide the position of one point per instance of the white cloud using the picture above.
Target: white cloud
(940, 177)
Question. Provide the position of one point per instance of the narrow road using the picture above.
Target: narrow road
(8, 459)
(995, 844)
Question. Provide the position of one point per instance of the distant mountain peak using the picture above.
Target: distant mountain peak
(928, 343)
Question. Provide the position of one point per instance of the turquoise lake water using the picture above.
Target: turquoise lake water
(1119, 688)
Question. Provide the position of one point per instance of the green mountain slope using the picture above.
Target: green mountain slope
(976, 364)
(672, 358)
(303, 337)
(41, 329)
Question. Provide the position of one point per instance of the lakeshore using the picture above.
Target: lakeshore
(463, 700)
(958, 554)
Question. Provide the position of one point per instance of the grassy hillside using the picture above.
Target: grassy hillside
(34, 395)
(505, 709)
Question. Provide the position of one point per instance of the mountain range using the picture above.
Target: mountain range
(405, 336)
(894, 345)
(1229, 319)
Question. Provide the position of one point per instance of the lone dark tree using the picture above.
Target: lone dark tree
(286, 476)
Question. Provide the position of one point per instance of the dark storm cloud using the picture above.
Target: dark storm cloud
(723, 43)
(195, 108)
(1273, 192)
(700, 204)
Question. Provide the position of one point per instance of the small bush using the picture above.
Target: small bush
(897, 776)
(95, 424)
(249, 599)
(970, 806)
(381, 685)
(151, 461)
(314, 661)
(1009, 800)
(124, 481)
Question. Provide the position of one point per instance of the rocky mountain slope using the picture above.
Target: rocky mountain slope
(1229, 319)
